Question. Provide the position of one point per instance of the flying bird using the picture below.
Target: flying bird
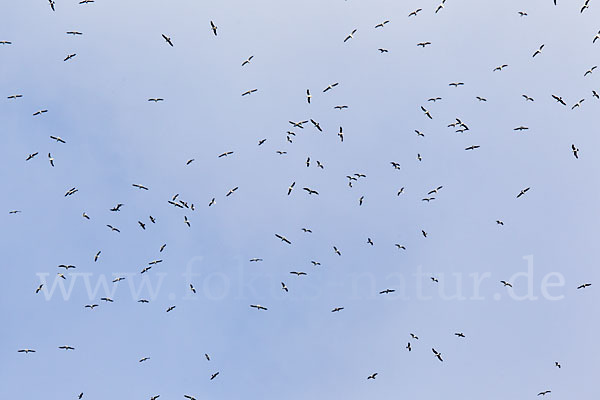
(559, 99)
(437, 354)
(247, 61)
(213, 27)
(538, 51)
(258, 307)
(522, 192)
(350, 36)
(167, 39)
(283, 238)
(583, 286)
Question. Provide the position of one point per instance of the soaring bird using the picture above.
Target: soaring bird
(342, 107)
(316, 125)
(578, 104)
(283, 238)
(213, 376)
(144, 359)
(527, 98)
(472, 147)
(337, 309)
(372, 376)
(310, 191)
(26, 351)
(538, 51)
(336, 251)
(412, 335)
(575, 151)
(247, 61)
(192, 288)
(559, 99)
(30, 156)
(308, 96)
(350, 36)
(66, 348)
(414, 13)
(74, 33)
(500, 67)
(39, 288)
(213, 27)
(583, 286)
(171, 308)
(456, 84)
(247, 92)
(387, 291)
(437, 354)
(258, 307)
(14, 96)
(341, 134)
(231, 191)
(506, 284)
(329, 87)
(256, 259)
(522, 192)
(68, 57)
(426, 112)
(283, 287)
(382, 50)
(297, 273)
(107, 299)
(52, 5)
(545, 392)
(460, 334)
(40, 112)
(424, 233)
(91, 306)
(423, 44)
(522, 13)
(382, 24)
(156, 99)
(557, 364)
(168, 39)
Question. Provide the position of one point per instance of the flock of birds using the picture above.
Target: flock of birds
(188, 207)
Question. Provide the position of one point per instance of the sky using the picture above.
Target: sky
(298, 348)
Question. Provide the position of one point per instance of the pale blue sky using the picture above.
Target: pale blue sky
(299, 349)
